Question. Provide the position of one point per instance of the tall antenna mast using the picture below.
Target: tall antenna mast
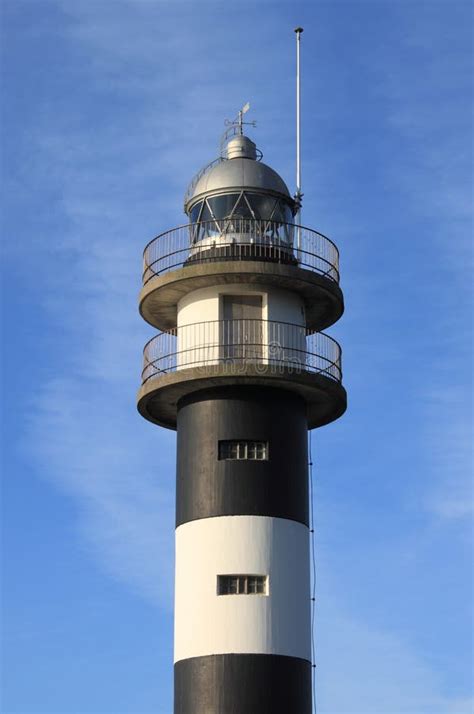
(298, 195)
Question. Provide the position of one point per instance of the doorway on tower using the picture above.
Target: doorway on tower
(242, 329)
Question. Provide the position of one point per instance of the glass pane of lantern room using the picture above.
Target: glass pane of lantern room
(222, 206)
(281, 217)
(194, 215)
(208, 226)
(206, 214)
(262, 206)
(242, 210)
(289, 215)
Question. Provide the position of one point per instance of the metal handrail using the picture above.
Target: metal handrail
(240, 239)
(195, 179)
(239, 343)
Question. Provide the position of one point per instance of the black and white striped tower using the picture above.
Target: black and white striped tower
(241, 371)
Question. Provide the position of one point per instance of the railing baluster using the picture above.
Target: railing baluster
(263, 240)
(273, 342)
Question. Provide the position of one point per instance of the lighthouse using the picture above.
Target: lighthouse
(241, 369)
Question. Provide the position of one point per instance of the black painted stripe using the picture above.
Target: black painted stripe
(208, 487)
(242, 684)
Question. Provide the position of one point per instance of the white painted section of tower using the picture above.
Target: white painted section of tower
(198, 343)
(198, 305)
(199, 330)
(205, 304)
(277, 623)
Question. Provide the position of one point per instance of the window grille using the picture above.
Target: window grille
(243, 450)
(242, 585)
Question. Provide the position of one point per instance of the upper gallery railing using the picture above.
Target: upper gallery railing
(238, 343)
(241, 239)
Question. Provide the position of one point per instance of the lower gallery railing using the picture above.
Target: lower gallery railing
(238, 343)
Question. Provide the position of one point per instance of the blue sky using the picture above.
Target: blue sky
(109, 108)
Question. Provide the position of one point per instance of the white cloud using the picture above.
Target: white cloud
(116, 184)
(449, 449)
(88, 443)
(84, 431)
(366, 671)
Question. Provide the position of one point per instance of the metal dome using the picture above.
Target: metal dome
(238, 174)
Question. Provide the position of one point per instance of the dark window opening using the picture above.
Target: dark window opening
(243, 450)
(242, 585)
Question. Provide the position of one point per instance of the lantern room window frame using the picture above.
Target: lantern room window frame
(282, 212)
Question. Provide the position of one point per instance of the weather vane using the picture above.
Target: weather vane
(239, 121)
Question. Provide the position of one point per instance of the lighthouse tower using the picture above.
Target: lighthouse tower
(241, 369)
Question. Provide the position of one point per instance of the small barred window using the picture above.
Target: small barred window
(242, 585)
(243, 450)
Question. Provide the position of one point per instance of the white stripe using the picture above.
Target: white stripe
(207, 623)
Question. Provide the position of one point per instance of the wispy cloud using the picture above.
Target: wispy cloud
(449, 445)
(429, 112)
(364, 670)
(122, 484)
(118, 182)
